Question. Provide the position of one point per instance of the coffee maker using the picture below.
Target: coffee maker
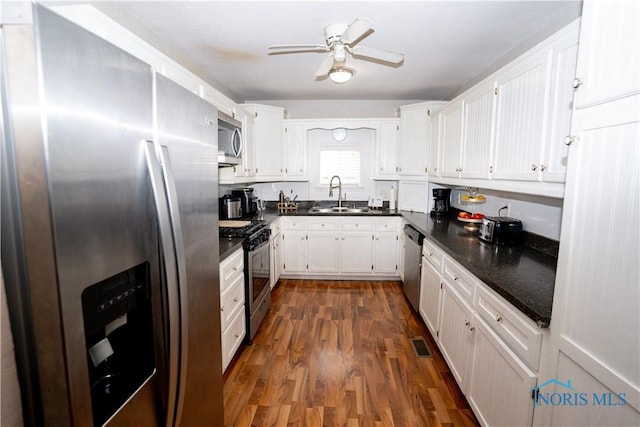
(441, 202)
(248, 201)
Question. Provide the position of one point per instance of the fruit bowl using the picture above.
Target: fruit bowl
(471, 226)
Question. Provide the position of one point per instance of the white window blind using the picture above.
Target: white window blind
(344, 162)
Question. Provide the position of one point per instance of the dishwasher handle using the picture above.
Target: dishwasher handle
(413, 234)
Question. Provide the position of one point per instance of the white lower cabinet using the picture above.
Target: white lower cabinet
(492, 349)
(430, 284)
(232, 302)
(356, 249)
(232, 338)
(323, 251)
(500, 384)
(275, 248)
(294, 253)
(353, 246)
(455, 335)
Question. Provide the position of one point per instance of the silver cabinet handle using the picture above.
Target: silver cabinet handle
(568, 140)
(470, 326)
(534, 167)
(498, 318)
(577, 82)
(542, 168)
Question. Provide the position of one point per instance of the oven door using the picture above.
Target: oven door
(258, 273)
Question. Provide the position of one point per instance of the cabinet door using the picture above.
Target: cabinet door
(295, 152)
(455, 333)
(598, 259)
(451, 122)
(435, 145)
(356, 252)
(565, 56)
(294, 245)
(269, 141)
(500, 384)
(248, 166)
(479, 114)
(387, 150)
(323, 252)
(430, 284)
(414, 133)
(520, 118)
(276, 259)
(385, 253)
(609, 63)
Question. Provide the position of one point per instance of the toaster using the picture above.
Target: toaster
(501, 230)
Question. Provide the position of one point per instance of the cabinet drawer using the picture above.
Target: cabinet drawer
(232, 338)
(517, 332)
(463, 281)
(293, 223)
(230, 269)
(433, 255)
(386, 224)
(231, 301)
(320, 224)
(356, 224)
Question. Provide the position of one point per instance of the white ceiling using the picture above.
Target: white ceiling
(447, 44)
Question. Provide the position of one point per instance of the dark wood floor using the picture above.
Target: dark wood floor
(336, 353)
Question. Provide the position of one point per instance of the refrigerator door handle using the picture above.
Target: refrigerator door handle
(172, 273)
(176, 226)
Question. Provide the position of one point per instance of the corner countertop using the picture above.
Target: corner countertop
(523, 276)
(228, 245)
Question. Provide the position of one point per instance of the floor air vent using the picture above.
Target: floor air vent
(420, 347)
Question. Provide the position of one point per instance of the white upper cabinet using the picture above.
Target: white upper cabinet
(269, 141)
(609, 63)
(523, 89)
(477, 140)
(415, 122)
(386, 166)
(295, 150)
(508, 131)
(554, 159)
(435, 142)
(451, 134)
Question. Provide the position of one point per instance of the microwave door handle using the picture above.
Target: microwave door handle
(236, 142)
(171, 275)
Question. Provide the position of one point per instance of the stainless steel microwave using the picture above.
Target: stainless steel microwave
(229, 140)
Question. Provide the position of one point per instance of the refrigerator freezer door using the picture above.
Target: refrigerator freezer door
(79, 203)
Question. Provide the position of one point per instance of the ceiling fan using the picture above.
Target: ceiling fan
(341, 39)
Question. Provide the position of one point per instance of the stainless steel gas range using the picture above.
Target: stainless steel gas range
(256, 271)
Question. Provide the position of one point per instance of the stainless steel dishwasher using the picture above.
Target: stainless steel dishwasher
(412, 265)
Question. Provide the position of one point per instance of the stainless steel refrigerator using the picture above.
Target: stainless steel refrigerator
(109, 233)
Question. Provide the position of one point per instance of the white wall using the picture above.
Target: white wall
(539, 215)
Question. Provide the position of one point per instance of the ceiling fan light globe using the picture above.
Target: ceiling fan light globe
(340, 75)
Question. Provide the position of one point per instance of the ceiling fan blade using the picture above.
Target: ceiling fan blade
(378, 54)
(319, 47)
(356, 30)
(325, 67)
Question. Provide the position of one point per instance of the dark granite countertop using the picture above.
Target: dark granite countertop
(228, 245)
(523, 276)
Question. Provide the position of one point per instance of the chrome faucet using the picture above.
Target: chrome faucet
(331, 187)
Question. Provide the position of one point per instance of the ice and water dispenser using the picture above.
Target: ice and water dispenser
(118, 326)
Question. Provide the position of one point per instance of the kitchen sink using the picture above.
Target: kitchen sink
(343, 210)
